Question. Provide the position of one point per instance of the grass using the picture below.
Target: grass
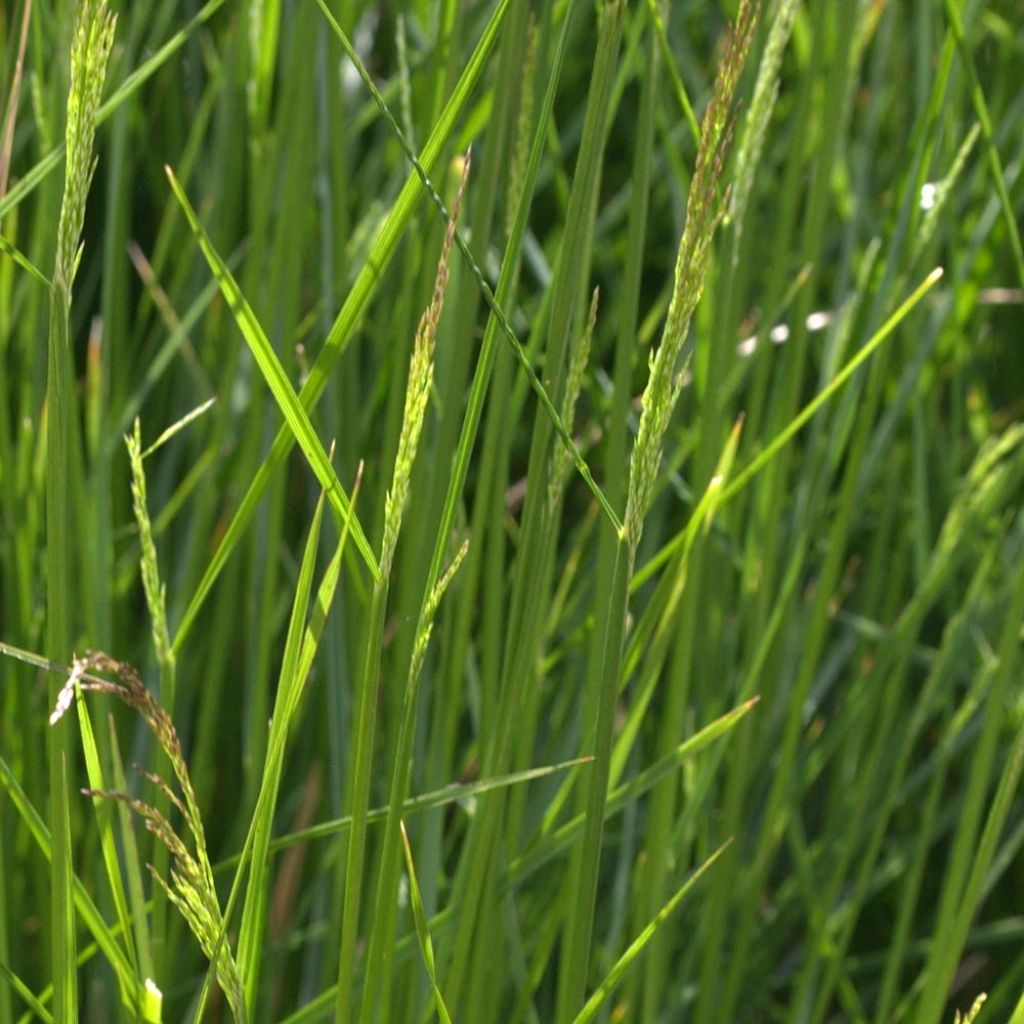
(533, 490)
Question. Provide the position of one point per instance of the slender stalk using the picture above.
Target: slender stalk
(583, 876)
(93, 38)
(420, 380)
(814, 655)
(475, 875)
(704, 214)
(348, 317)
(362, 772)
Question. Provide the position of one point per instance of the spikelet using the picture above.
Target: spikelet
(421, 375)
(191, 887)
(705, 208)
(90, 52)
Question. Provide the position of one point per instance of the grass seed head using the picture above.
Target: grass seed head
(417, 391)
(191, 886)
(90, 52)
(562, 459)
(705, 208)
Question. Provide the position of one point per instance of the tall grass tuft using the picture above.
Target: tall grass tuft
(421, 370)
(667, 668)
(706, 206)
(90, 51)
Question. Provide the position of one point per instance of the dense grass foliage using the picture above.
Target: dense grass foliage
(510, 511)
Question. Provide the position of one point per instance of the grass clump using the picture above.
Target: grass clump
(534, 658)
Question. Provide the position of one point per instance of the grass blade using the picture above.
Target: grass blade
(345, 324)
(277, 380)
(636, 947)
(422, 931)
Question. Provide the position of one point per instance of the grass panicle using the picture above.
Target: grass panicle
(705, 209)
(93, 39)
(750, 148)
(972, 1015)
(90, 53)
(190, 886)
(156, 591)
(417, 392)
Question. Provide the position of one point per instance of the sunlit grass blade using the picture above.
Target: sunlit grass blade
(417, 390)
(670, 62)
(348, 317)
(422, 931)
(277, 380)
(457, 793)
(160, 364)
(793, 427)
(23, 261)
(132, 864)
(177, 426)
(189, 885)
(156, 601)
(801, 634)
(90, 51)
(301, 661)
(636, 947)
(105, 825)
(523, 626)
(250, 936)
(561, 839)
(485, 290)
(64, 947)
(748, 472)
(704, 213)
(83, 902)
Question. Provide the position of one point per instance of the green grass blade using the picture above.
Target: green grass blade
(124, 92)
(953, 13)
(277, 380)
(344, 325)
(485, 290)
(65, 981)
(26, 994)
(268, 793)
(23, 261)
(636, 947)
(104, 821)
(132, 862)
(351, 873)
(778, 442)
(744, 476)
(250, 936)
(446, 797)
(422, 931)
(670, 62)
(557, 842)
